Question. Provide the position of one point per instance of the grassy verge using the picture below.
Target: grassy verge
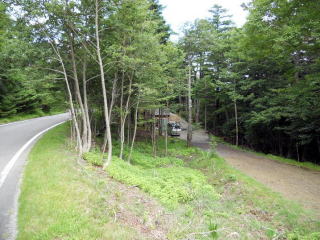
(201, 197)
(21, 117)
(218, 201)
(307, 165)
(59, 199)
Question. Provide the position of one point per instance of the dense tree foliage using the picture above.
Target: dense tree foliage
(25, 87)
(261, 82)
(115, 61)
(256, 86)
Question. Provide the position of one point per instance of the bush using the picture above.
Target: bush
(93, 158)
(164, 178)
(170, 185)
(146, 161)
(298, 236)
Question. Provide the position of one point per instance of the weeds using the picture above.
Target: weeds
(204, 197)
(200, 187)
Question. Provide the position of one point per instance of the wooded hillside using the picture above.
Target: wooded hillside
(257, 86)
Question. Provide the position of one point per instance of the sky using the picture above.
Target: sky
(177, 12)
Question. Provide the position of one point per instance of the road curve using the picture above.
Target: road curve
(16, 140)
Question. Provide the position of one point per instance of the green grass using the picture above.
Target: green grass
(205, 192)
(171, 186)
(270, 214)
(164, 178)
(205, 198)
(59, 200)
(307, 165)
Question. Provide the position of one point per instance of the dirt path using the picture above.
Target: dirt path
(292, 182)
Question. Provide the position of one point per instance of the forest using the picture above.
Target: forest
(112, 63)
(112, 79)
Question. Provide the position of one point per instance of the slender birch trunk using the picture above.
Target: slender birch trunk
(154, 137)
(123, 119)
(73, 114)
(197, 108)
(205, 116)
(128, 128)
(236, 118)
(134, 130)
(121, 116)
(236, 114)
(86, 108)
(160, 121)
(113, 96)
(78, 95)
(205, 106)
(189, 134)
(166, 130)
(103, 84)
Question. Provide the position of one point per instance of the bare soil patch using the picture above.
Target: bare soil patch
(132, 207)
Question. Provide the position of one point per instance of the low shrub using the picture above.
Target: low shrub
(93, 158)
(164, 178)
(171, 185)
(146, 161)
(298, 236)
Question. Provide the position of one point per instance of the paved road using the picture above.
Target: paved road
(13, 138)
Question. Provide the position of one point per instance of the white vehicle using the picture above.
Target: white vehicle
(174, 129)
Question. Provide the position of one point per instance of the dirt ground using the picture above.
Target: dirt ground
(294, 183)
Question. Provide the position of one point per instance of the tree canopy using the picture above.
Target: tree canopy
(256, 86)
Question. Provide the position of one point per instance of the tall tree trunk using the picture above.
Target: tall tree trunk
(197, 113)
(82, 115)
(121, 114)
(103, 84)
(135, 129)
(205, 106)
(153, 134)
(298, 152)
(205, 116)
(123, 119)
(236, 118)
(128, 128)
(73, 133)
(166, 130)
(86, 108)
(181, 104)
(73, 113)
(189, 134)
(113, 95)
(160, 121)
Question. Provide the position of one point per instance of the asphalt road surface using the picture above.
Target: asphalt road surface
(16, 140)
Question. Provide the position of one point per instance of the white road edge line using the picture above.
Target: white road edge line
(4, 174)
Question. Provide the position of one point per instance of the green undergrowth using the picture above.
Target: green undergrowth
(60, 200)
(171, 186)
(307, 165)
(202, 197)
(269, 212)
(164, 178)
(205, 192)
